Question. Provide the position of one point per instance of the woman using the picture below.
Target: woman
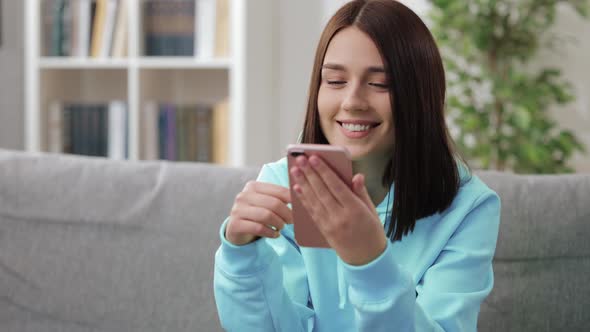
(411, 242)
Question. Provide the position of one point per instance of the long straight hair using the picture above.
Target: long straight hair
(423, 165)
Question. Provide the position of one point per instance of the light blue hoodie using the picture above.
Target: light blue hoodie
(433, 280)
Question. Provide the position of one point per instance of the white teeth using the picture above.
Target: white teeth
(356, 127)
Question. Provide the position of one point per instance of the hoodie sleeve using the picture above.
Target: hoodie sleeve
(450, 293)
(249, 289)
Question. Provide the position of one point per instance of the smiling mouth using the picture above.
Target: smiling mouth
(357, 127)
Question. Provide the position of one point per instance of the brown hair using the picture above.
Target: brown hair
(422, 165)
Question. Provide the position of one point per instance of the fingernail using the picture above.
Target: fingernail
(301, 161)
(296, 173)
(314, 161)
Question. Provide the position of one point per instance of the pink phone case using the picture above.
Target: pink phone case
(338, 158)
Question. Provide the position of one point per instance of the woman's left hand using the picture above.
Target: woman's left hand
(347, 218)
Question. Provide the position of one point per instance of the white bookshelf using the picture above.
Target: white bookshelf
(244, 78)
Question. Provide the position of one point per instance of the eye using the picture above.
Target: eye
(335, 82)
(380, 85)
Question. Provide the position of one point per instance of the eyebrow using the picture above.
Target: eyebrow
(333, 66)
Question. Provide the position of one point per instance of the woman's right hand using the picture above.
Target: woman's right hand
(256, 209)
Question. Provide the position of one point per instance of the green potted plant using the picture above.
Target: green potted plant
(497, 107)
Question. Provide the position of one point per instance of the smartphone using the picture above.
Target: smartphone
(338, 158)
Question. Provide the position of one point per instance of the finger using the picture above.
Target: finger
(303, 188)
(316, 184)
(271, 203)
(337, 187)
(306, 195)
(305, 201)
(244, 226)
(269, 189)
(260, 215)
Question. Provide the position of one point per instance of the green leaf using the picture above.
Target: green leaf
(530, 140)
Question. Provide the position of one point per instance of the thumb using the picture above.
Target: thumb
(359, 188)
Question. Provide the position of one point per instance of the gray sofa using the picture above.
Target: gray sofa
(88, 244)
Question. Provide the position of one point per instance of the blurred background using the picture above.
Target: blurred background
(225, 81)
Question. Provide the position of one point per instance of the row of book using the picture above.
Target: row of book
(184, 132)
(85, 28)
(177, 132)
(186, 28)
(100, 28)
(93, 129)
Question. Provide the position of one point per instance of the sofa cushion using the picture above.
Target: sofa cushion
(88, 244)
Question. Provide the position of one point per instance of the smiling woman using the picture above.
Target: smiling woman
(411, 240)
(365, 70)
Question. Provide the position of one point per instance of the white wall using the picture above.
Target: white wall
(573, 59)
(11, 76)
(298, 29)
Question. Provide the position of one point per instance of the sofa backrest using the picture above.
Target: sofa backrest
(91, 244)
(542, 260)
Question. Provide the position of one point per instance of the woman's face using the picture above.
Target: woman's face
(353, 100)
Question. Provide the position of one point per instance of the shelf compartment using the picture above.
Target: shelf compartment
(78, 86)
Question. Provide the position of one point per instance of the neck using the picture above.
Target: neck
(372, 169)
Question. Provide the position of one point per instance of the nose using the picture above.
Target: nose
(355, 99)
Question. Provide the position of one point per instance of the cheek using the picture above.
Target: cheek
(385, 110)
(384, 107)
(327, 105)
(322, 100)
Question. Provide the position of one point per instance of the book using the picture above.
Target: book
(74, 27)
(75, 128)
(103, 131)
(180, 140)
(150, 131)
(57, 27)
(191, 137)
(91, 135)
(119, 48)
(47, 26)
(55, 128)
(222, 29)
(108, 28)
(66, 128)
(66, 20)
(169, 27)
(170, 131)
(117, 130)
(83, 31)
(98, 27)
(205, 27)
(162, 129)
(92, 23)
(203, 132)
(220, 132)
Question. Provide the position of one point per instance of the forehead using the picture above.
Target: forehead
(353, 48)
